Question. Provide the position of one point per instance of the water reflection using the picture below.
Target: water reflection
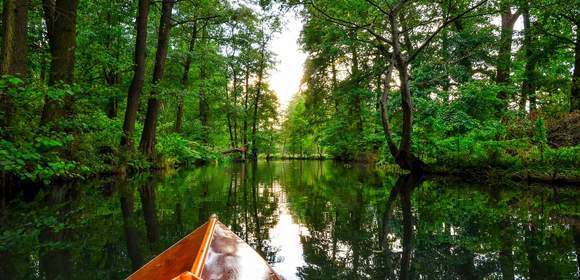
(285, 236)
(310, 220)
(55, 254)
(129, 226)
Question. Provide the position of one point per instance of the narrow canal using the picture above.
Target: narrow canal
(308, 219)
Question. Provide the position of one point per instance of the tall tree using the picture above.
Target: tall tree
(14, 53)
(529, 82)
(356, 76)
(148, 136)
(245, 108)
(203, 99)
(14, 56)
(185, 77)
(138, 75)
(504, 59)
(575, 91)
(61, 20)
(258, 95)
(394, 42)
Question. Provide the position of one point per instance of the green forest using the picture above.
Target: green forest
(102, 87)
(416, 139)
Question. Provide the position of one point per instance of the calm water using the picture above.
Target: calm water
(310, 220)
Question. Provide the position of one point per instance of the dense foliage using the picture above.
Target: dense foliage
(421, 84)
(143, 84)
(467, 100)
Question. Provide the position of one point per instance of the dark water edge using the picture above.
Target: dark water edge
(309, 219)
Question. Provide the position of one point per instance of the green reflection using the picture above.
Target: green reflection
(355, 223)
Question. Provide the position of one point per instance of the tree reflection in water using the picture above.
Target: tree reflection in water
(312, 220)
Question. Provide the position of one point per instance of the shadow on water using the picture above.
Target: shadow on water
(310, 220)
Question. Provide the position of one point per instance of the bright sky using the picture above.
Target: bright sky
(285, 79)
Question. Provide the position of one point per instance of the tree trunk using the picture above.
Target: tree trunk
(235, 114)
(61, 21)
(14, 29)
(185, 78)
(357, 110)
(179, 114)
(229, 115)
(43, 64)
(504, 59)
(404, 158)
(138, 76)
(203, 103)
(256, 104)
(384, 110)
(528, 84)
(245, 121)
(231, 109)
(575, 93)
(14, 53)
(147, 145)
(379, 93)
(334, 84)
(111, 70)
(112, 79)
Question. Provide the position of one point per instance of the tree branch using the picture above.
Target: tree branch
(377, 6)
(350, 25)
(176, 22)
(384, 108)
(546, 32)
(440, 28)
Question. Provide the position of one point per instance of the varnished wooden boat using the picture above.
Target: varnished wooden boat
(213, 252)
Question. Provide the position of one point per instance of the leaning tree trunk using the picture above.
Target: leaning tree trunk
(403, 156)
(185, 78)
(138, 76)
(384, 104)
(147, 145)
(61, 21)
(14, 51)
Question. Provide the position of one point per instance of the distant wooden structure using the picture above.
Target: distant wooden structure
(241, 150)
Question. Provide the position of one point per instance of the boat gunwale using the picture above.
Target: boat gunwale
(201, 255)
(178, 243)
